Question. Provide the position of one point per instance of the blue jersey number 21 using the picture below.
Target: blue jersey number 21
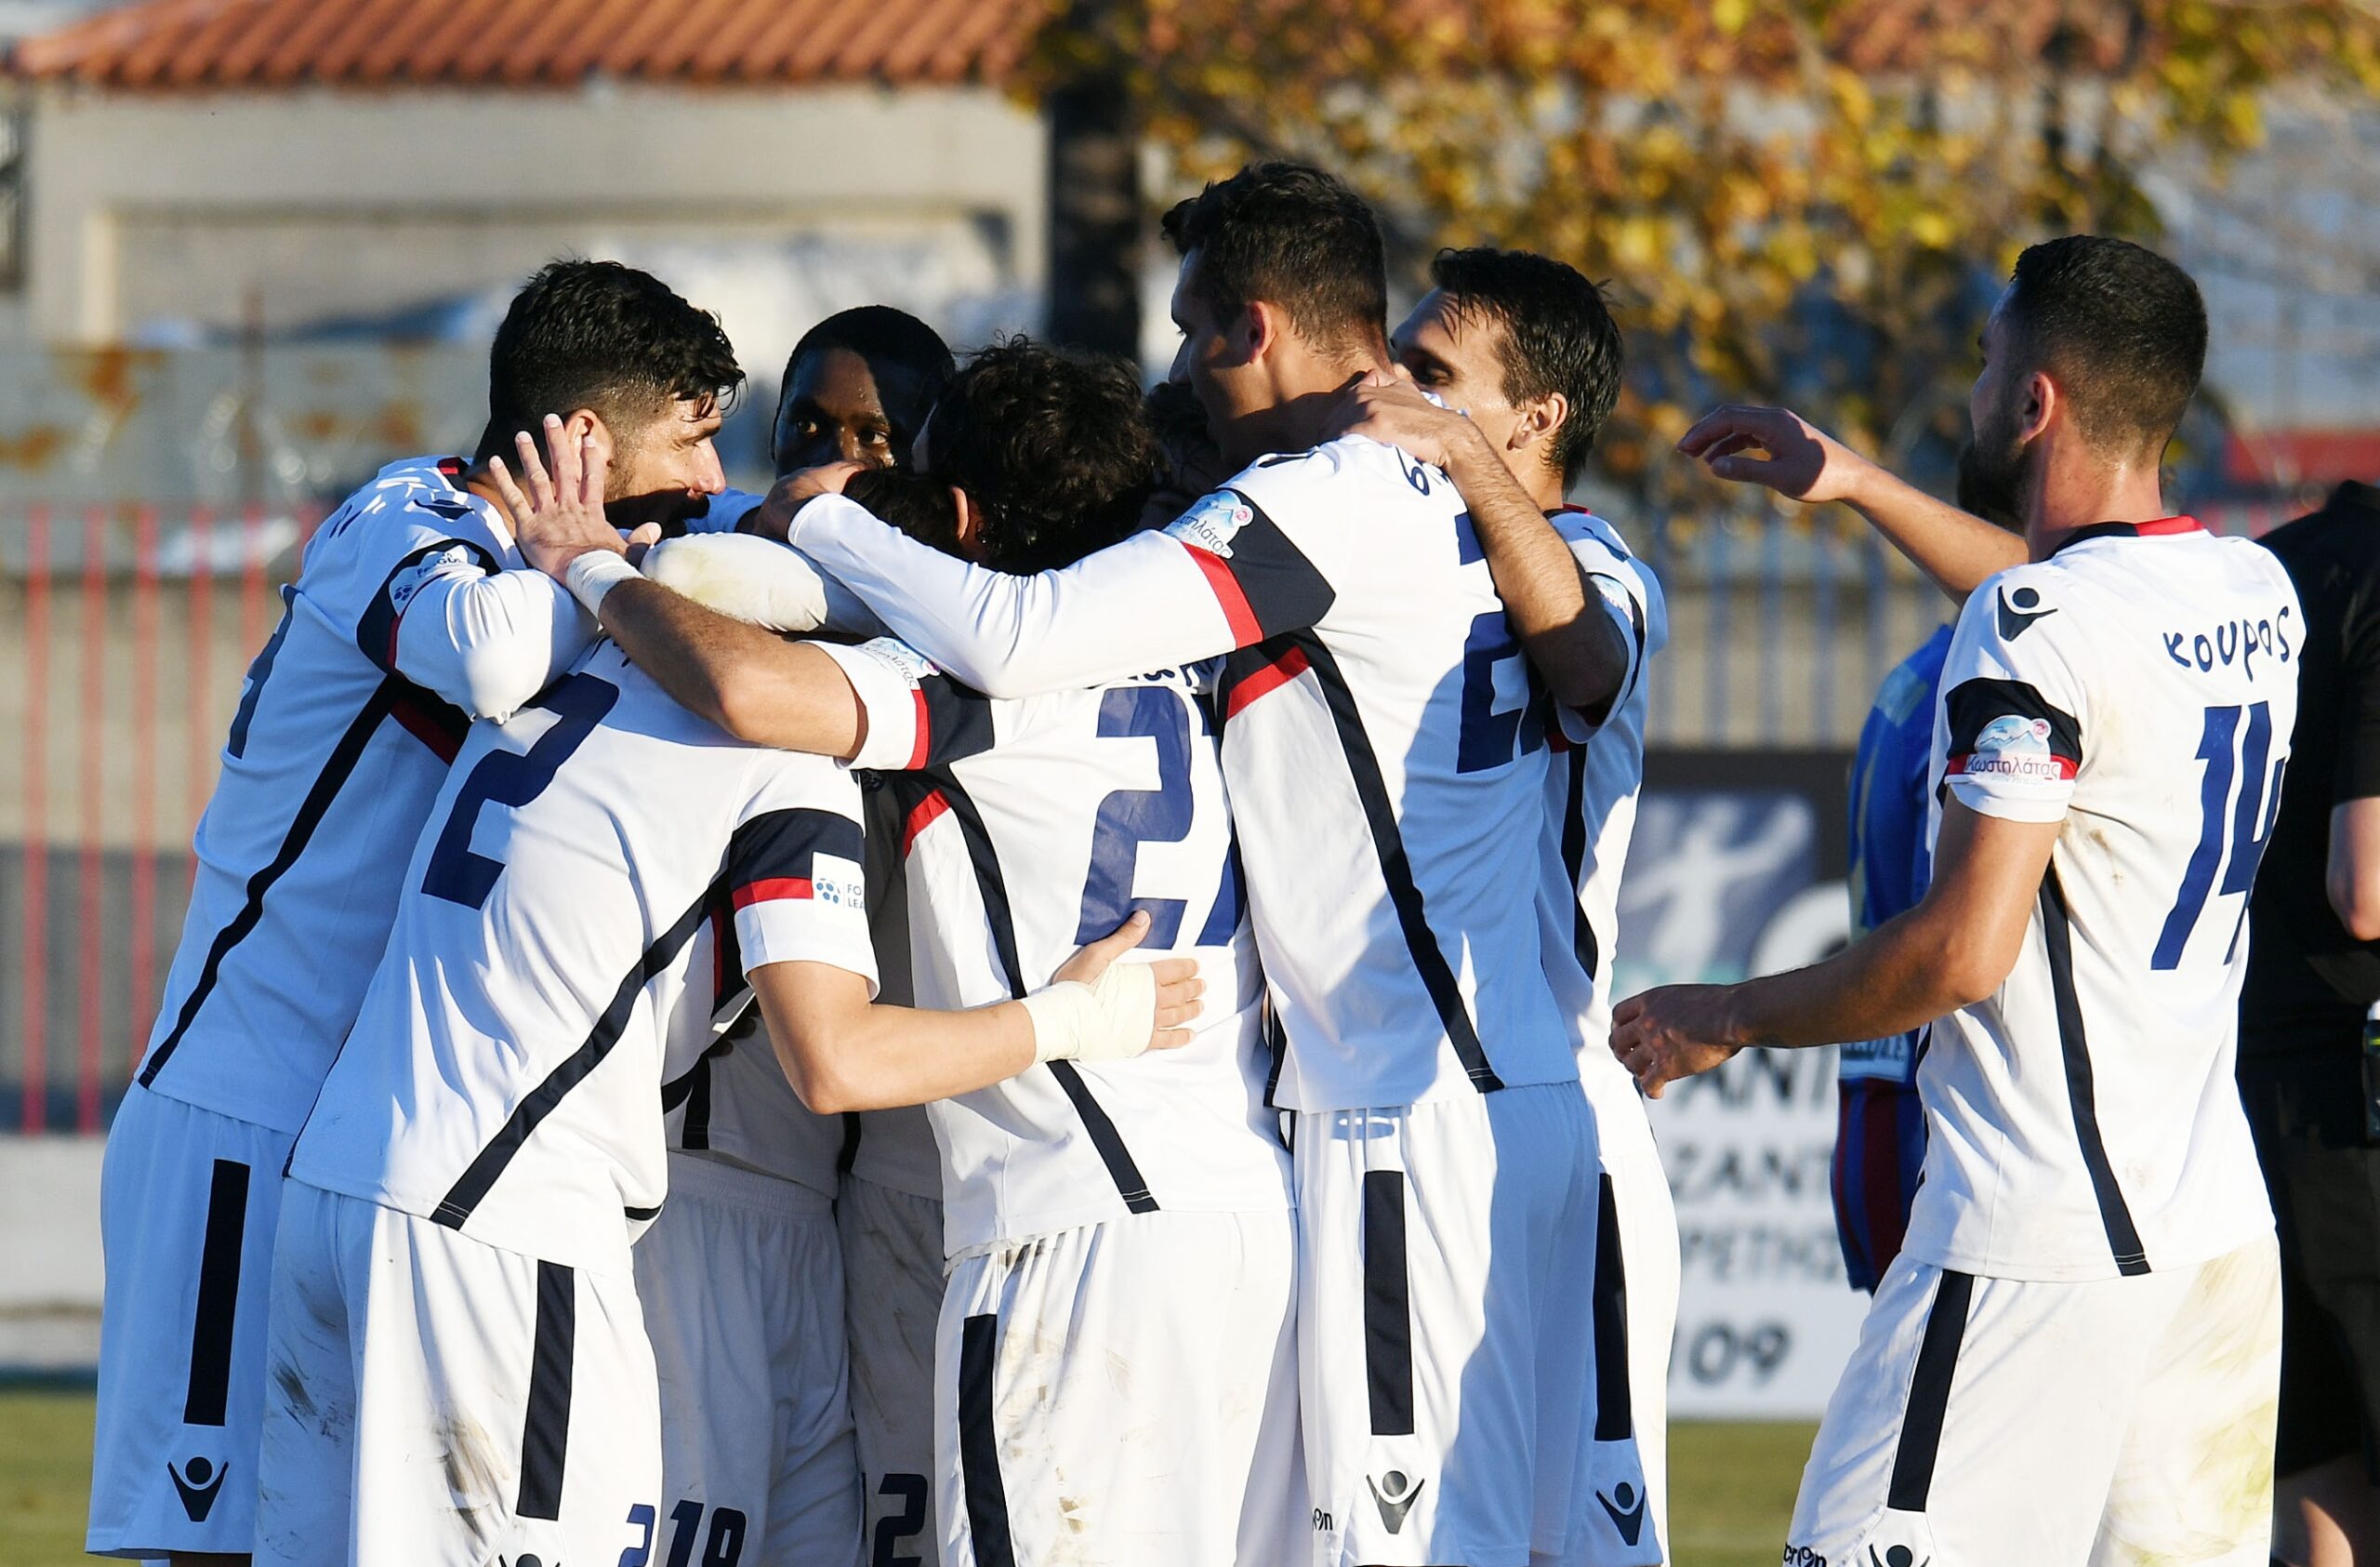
(2232, 839)
(1129, 817)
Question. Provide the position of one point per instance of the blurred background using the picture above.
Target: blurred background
(252, 249)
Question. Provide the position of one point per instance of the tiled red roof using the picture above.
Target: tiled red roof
(168, 45)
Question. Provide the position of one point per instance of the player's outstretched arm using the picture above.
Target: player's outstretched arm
(1577, 648)
(1138, 605)
(1802, 463)
(842, 1052)
(1954, 948)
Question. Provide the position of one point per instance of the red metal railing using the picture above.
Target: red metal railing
(129, 671)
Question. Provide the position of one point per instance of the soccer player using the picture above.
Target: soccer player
(1133, 1215)
(1527, 349)
(1388, 772)
(457, 1362)
(2311, 1095)
(743, 1276)
(405, 623)
(2076, 1355)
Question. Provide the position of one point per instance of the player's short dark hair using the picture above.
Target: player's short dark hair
(1291, 236)
(919, 506)
(1558, 337)
(1054, 448)
(606, 337)
(882, 334)
(2121, 328)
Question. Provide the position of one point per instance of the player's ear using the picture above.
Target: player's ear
(2044, 399)
(1258, 331)
(970, 524)
(586, 424)
(1540, 419)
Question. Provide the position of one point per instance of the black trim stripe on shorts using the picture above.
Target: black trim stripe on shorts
(992, 884)
(979, 1445)
(2115, 1214)
(472, 1186)
(1929, 1394)
(1388, 1313)
(218, 1296)
(1583, 944)
(545, 1425)
(336, 771)
(1395, 865)
(1615, 1400)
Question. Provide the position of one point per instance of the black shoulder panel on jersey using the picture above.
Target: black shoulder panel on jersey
(1397, 867)
(1583, 944)
(327, 783)
(1281, 590)
(785, 845)
(958, 720)
(375, 633)
(456, 1208)
(2057, 943)
(1975, 705)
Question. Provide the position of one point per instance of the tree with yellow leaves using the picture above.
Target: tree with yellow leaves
(1795, 198)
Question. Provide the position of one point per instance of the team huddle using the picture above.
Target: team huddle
(1040, 994)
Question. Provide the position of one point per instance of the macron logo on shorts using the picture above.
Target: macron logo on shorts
(1395, 1495)
(199, 1491)
(1625, 1507)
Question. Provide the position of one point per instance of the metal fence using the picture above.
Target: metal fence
(128, 630)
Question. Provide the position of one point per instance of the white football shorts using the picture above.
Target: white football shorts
(2115, 1421)
(1637, 1272)
(188, 1203)
(1448, 1337)
(431, 1401)
(742, 1280)
(1123, 1394)
(892, 1274)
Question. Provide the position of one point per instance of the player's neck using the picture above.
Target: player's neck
(2068, 493)
(1544, 485)
(1308, 394)
(475, 482)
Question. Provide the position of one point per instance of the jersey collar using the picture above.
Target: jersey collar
(2163, 527)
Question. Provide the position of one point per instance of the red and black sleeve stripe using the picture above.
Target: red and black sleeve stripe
(1265, 585)
(776, 854)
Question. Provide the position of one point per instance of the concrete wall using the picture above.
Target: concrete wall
(50, 1231)
(178, 207)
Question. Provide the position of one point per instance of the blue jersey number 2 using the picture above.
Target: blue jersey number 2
(505, 777)
(1129, 817)
(2232, 834)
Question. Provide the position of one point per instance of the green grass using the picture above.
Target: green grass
(1731, 1492)
(1731, 1487)
(45, 1478)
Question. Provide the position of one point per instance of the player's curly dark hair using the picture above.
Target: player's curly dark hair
(606, 337)
(1052, 447)
(1558, 337)
(1291, 236)
(919, 506)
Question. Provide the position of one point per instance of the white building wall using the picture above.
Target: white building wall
(184, 209)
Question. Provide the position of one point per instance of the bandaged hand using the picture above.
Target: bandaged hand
(1098, 1009)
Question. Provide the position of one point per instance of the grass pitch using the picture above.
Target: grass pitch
(1731, 1486)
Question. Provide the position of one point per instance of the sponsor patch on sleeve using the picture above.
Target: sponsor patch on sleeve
(1213, 522)
(2004, 730)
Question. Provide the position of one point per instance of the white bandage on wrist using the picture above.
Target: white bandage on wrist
(1109, 1019)
(749, 578)
(590, 575)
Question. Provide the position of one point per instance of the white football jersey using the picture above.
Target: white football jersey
(504, 1076)
(2140, 686)
(1386, 750)
(403, 624)
(1026, 829)
(1590, 799)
